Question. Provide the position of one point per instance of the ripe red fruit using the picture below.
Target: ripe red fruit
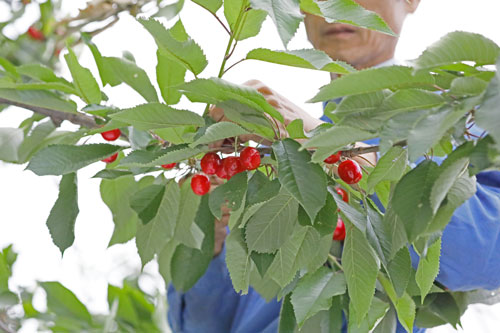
(250, 158)
(35, 33)
(339, 233)
(210, 163)
(111, 159)
(200, 184)
(168, 166)
(350, 172)
(221, 172)
(232, 166)
(343, 194)
(111, 135)
(334, 158)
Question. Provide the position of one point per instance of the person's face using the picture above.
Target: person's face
(360, 47)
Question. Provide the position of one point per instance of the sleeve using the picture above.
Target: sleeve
(209, 306)
(470, 251)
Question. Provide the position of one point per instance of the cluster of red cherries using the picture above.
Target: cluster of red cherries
(224, 168)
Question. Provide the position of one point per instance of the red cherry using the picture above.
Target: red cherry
(210, 163)
(334, 158)
(168, 166)
(232, 166)
(35, 33)
(339, 233)
(111, 159)
(111, 135)
(250, 158)
(343, 194)
(200, 184)
(350, 172)
(221, 172)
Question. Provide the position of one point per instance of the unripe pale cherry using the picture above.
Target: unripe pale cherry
(339, 233)
(210, 163)
(110, 159)
(111, 135)
(200, 184)
(334, 158)
(350, 172)
(250, 158)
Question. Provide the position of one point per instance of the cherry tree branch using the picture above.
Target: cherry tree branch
(56, 116)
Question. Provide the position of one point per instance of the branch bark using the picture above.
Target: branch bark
(56, 116)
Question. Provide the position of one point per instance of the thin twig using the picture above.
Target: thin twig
(222, 23)
(236, 63)
(56, 116)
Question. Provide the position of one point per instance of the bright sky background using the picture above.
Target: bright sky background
(87, 267)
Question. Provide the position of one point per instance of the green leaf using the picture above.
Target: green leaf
(443, 310)
(488, 116)
(314, 293)
(62, 217)
(399, 270)
(35, 140)
(231, 194)
(83, 80)
(38, 98)
(350, 12)
(405, 307)
(177, 45)
(157, 115)
(456, 47)
(215, 90)
(111, 174)
(251, 24)
(388, 323)
(63, 302)
(295, 129)
(146, 158)
(305, 58)
(164, 260)
(147, 201)
(270, 227)
(285, 14)
(409, 100)
(428, 268)
(361, 268)
(287, 316)
(467, 86)
(219, 131)
(238, 261)
(305, 181)
(262, 261)
(11, 140)
(42, 73)
(211, 5)
(411, 201)
(377, 310)
(398, 128)
(188, 264)
(389, 167)
(169, 74)
(116, 194)
(64, 159)
(372, 80)
(152, 237)
(362, 103)
(128, 72)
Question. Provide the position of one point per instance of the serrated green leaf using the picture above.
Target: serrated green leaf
(38, 98)
(361, 268)
(377, 310)
(295, 129)
(62, 217)
(231, 194)
(251, 24)
(219, 131)
(64, 159)
(111, 174)
(399, 270)
(186, 231)
(211, 5)
(326, 220)
(146, 202)
(408, 100)
(286, 16)
(172, 154)
(405, 307)
(287, 316)
(169, 74)
(488, 116)
(398, 128)
(157, 115)
(467, 86)
(390, 167)
(361, 103)
(184, 275)
(116, 195)
(388, 323)
(35, 140)
(177, 46)
(448, 174)
(58, 86)
(262, 261)
(11, 139)
(456, 47)
(314, 293)
(63, 302)
(305, 181)
(428, 268)
(238, 261)
(267, 288)
(372, 80)
(215, 90)
(83, 80)
(164, 260)
(350, 12)
(305, 58)
(269, 228)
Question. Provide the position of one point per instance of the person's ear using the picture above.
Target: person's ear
(411, 5)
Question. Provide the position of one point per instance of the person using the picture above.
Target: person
(471, 242)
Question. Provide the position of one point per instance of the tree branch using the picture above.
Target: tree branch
(56, 116)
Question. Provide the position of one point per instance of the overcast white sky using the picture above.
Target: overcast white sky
(87, 267)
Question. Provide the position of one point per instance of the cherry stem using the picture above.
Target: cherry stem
(236, 63)
(335, 261)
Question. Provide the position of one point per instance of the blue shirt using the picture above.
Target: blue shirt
(470, 259)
